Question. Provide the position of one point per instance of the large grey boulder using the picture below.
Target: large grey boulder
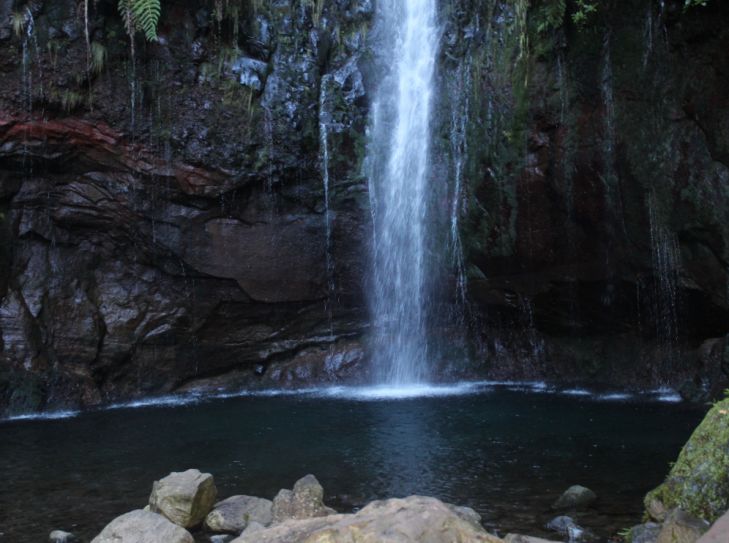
(142, 527)
(574, 498)
(306, 500)
(234, 514)
(416, 519)
(184, 497)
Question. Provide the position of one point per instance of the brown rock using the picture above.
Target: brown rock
(142, 527)
(184, 497)
(416, 519)
(306, 500)
(234, 514)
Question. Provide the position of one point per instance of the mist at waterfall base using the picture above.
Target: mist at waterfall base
(505, 453)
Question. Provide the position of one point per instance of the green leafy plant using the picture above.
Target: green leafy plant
(70, 100)
(584, 9)
(53, 47)
(18, 21)
(550, 15)
(141, 15)
(98, 57)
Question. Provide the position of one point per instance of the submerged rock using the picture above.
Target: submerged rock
(59, 536)
(142, 527)
(306, 500)
(414, 519)
(566, 526)
(698, 482)
(518, 538)
(184, 497)
(234, 514)
(681, 527)
(575, 497)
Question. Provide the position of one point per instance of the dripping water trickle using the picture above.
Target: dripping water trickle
(665, 260)
(324, 156)
(459, 152)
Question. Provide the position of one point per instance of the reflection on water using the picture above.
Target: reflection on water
(507, 454)
(405, 448)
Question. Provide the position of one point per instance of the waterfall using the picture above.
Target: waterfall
(399, 160)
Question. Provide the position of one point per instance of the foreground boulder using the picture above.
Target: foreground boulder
(698, 482)
(306, 500)
(142, 527)
(416, 519)
(184, 497)
(234, 514)
(575, 497)
(719, 532)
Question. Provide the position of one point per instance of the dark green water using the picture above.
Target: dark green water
(506, 454)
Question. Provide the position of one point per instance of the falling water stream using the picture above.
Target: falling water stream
(399, 160)
(324, 152)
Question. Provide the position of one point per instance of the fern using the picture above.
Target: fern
(141, 15)
(146, 15)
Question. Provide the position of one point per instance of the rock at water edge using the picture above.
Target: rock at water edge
(184, 497)
(142, 527)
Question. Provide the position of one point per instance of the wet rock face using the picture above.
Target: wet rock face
(169, 228)
(144, 248)
(593, 196)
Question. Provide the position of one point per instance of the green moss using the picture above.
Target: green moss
(699, 480)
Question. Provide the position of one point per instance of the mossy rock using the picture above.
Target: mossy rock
(699, 480)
